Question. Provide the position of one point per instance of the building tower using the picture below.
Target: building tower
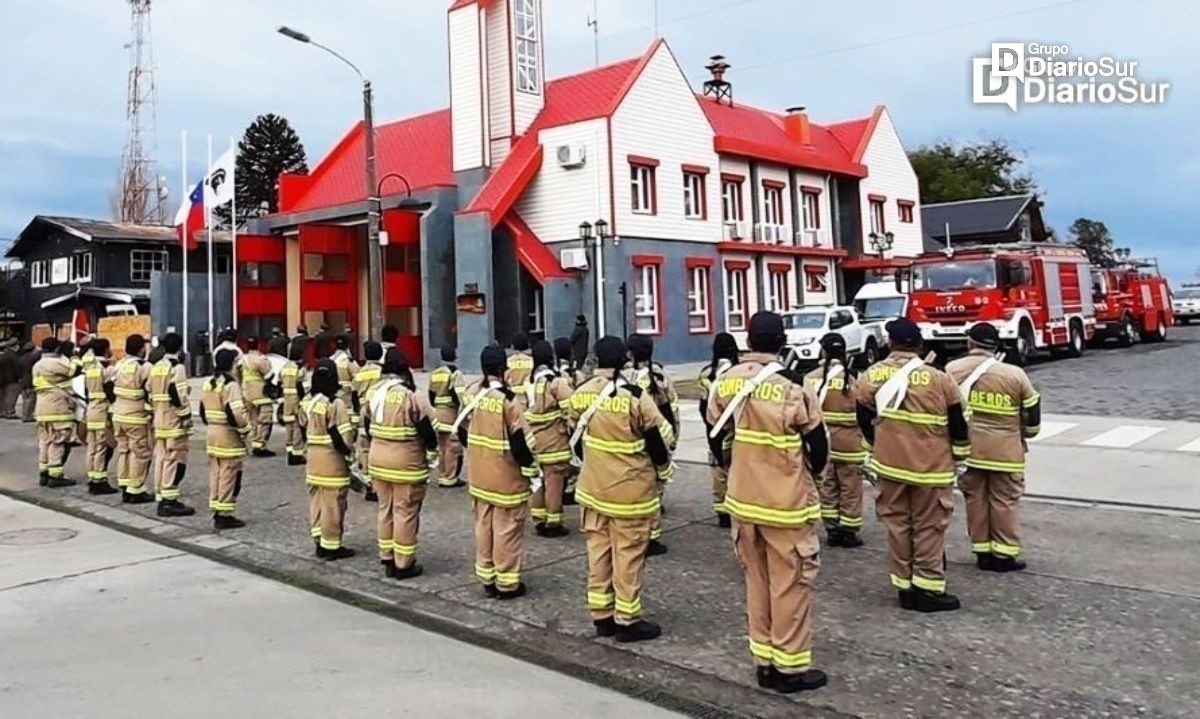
(142, 190)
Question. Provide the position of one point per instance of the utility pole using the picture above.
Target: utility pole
(594, 24)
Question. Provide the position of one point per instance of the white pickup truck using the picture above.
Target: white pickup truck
(865, 343)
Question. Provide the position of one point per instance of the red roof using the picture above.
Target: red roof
(507, 183)
(752, 132)
(854, 135)
(538, 259)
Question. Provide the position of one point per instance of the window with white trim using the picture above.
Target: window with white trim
(773, 205)
(817, 279)
(81, 268)
(646, 299)
(641, 184)
(736, 298)
(529, 71)
(778, 291)
(142, 263)
(39, 273)
(731, 201)
(698, 296)
(693, 196)
(878, 225)
(811, 206)
(537, 313)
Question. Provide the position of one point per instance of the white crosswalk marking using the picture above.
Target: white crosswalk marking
(1049, 429)
(1123, 437)
(1193, 446)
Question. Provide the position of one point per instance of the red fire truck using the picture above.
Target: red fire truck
(1132, 302)
(1037, 295)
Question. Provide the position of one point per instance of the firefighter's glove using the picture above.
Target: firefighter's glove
(666, 474)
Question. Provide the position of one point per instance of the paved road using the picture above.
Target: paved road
(100, 624)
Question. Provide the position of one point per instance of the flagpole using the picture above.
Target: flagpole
(183, 189)
(233, 266)
(212, 337)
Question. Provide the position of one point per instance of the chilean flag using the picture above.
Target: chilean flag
(190, 218)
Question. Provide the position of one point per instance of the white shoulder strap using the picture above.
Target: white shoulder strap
(531, 385)
(379, 398)
(835, 371)
(747, 389)
(964, 389)
(466, 411)
(723, 366)
(586, 418)
(893, 391)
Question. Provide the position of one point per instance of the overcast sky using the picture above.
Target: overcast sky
(219, 63)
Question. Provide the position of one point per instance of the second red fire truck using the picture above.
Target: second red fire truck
(1133, 302)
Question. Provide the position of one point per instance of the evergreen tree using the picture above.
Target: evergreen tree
(269, 147)
(1095, 239)
(949, 172)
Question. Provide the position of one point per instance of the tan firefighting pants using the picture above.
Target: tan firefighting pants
(992, 521)
(616, 551)
(169, 456)
(656, 531)
(53, 440)
(224, 484)
(841, 491)
(499, 544)
(399, 521)
(295, 439)
(780, 566)
(720, 485)
(100, 448)
(262, 418)
(326, 513)
(916, 518)
(450, 456)
(546, 505)
(133, 456)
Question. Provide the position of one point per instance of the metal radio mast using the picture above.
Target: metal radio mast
(142, 191)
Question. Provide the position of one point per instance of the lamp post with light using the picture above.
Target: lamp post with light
(881, 242)
(593, 235)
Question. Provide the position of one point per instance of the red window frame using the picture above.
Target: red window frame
(773, 194)
(905, 208)
(650, 165)
(809, 193)
(878, 205)
(638, 262)
(742, 266)
(780, 268)
(811, 272)
(700, 173)
(737, 182)
(705, 263)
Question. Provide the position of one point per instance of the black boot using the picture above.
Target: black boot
(101, 488)
(850, 539)
(569, 498)
(639, 631)
(806, 681)
(332, 555)
(415, 570)
(552, 531)
(928, 601)
(833, 536)
(655, 548)
(512, 593)
(490, 591)
(263, 452)
(319, 551)
(295, 460)
(984, 561)
(908, 599)
(389, 568)
(1006, 564)
(174, 508)
(227, 521)
(141, 498)
(539, 528)
(766, 676)
(606, 627)
(723, 520)
(57, 482)
(43, 478)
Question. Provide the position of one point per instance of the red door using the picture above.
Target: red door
(402, 281)
(329, 277)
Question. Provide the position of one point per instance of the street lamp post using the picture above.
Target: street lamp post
(881, 243)
(374, 202)
(595, 243)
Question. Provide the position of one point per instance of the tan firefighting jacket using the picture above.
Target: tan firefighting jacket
(171, 399)
(130, 377)
(52, 383)
(547, 395)
(365, 378)
(446, 386)
(96, 373)
(499, 469)
(1003, 410)
(328, 466)
(520, 367)
(912, 442)
(291, 380)
(224, 411)
(346, 369)
(395, 416)
(665, 396)
(256, 369)
(620, 476)
(840, 413)
(574, 376)
(770, 481)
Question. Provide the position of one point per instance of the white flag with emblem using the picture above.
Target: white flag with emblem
(218, 183)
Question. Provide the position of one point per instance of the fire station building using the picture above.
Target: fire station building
(620, 193)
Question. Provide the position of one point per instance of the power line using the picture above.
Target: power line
(659, 24)
(906, 36)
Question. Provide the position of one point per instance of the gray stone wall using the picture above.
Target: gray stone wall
(166, 303)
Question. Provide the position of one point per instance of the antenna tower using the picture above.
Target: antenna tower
(142, 190)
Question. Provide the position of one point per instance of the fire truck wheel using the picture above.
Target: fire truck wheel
(1022, 351)
(1075, 342)
(1160, 331)
(1129, 333)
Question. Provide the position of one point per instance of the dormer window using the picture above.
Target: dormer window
(529, 71)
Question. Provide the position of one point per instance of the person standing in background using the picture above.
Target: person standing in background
(580, 342)
(131, 422)
(224, 411)
(10, 379)
(98, 387)
(55, 414)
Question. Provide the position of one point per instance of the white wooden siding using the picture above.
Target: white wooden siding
(776, 173)
(466, 88)
(499, 150)
(499, 72)
(558, 199)
(813, 179)
(890, 174)
(661, 118)
(528, 105)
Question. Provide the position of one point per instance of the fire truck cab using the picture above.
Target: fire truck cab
(1133, 302)
(1036, 295)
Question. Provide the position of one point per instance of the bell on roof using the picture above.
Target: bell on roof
(718, 87)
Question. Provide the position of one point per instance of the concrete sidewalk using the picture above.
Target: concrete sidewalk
(1105, 623)
(100, 624)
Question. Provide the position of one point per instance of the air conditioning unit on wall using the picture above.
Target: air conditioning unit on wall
(572, 155)
(735, 230)
(573, 258)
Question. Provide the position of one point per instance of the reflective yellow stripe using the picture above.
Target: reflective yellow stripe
(631, 607)
(901, 582)
(759, 650)
(850, 521)
(981, 547)
(345, 428)
(841, 419)
(47, 418)
(443, 401)
(554, 457)
(766, 439)
(665, 473)
(530, 472)
(960, 451)
(487, 574)
(988, 409)
(543, 418)
(405, 550)
(932, 585)
(320, 440)
(320, 480)
(995, 465)
(215, 417)
(404, 476)
(757, 514)
(1031, 431)
(601, 600)
(379, 431)
(135, 419)
(791, 660)
(160, 398)
(129, 393)
(226, 452)
(1031, 400)
(932, 479)
(250, 374)
(625, 510)
(922, 418)
(848, 457)
(96, 426)
(1007, 550)
(614, 446)
(500, 499)
(41, 383)
(479, 440)
(171, 433)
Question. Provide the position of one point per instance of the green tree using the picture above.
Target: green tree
(269, 147)
(949, 172)
(1095, 239)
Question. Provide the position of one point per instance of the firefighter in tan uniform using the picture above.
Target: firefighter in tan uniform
(97, 383)
(652, 378)
(724, 356)
(403, 443)
(567, 368)
(520, 364)
(330, 434)
(55, 414)
(624, 443)
(172, 401)
(446, 386)
(1003, 411)
(547, 395)
(911, 417)
(131, 421)
(771, 425)
(365, 379)
(346, 369)
(291, 383)
(223, 410)
(841, 486)
(256, 377)
(503, 474)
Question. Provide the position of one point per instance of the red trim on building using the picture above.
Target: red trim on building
(642, 260)
(538, 259)
(639, 260)
(904, 209)
(816, 269)
(696, 169)
(877, 198)
(612, 180)
(732, 177)
(702, 175)
(705, 263)
(874, 263)
(811, 190)
(737, 264)
(774, 185)
(780, 267)
(757, 248)
(691, 262)
(505, 186)
(254, 301)
(642, 161)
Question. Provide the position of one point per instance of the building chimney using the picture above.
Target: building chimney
(797, 126)
(718, 87)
